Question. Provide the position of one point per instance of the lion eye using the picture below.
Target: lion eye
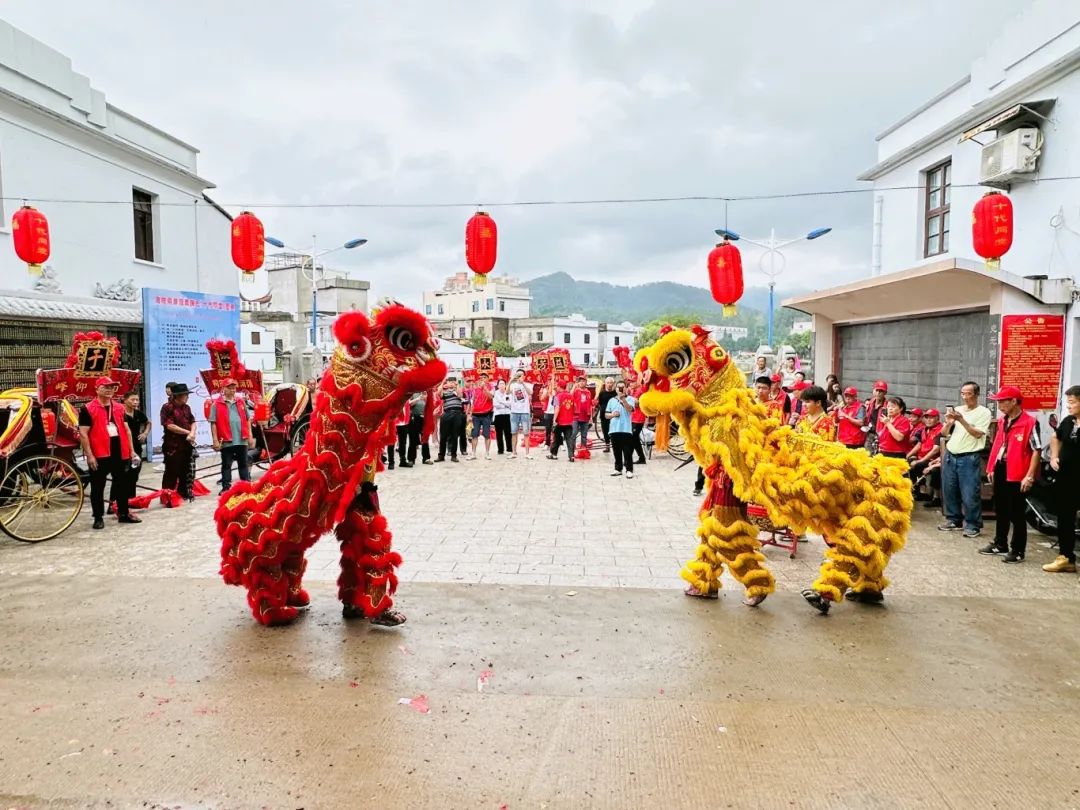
(677, 361)
(401, 339)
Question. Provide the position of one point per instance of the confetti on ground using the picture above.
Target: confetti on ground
(418, 703)
(571, 593)
(722, 729)
(203, 711)
(483, 679)
(353, 685)
(172, 680)
(405, 649)
(72, 754)
(661, 691)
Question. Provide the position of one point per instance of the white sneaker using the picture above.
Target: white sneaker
(629, 474)
(487, 456)
(616, 472)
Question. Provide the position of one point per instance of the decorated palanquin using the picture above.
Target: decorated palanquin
(486, 361)
(92, 355)
(552, 364)
(802, 482)
(266, 525)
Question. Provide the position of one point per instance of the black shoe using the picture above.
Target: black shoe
(440, 458)
(128, 519)
(607, 449)
(571, 459)
(406, 464)
(99, 523)
(950, 527)
(990, 548)
(454, 459)
(697, 491)
(934, 504)
(1012, 557)
(640, 461)
(865, 597)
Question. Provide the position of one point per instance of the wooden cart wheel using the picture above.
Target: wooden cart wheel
(40, 497)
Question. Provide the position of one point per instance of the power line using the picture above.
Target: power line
(534, 203)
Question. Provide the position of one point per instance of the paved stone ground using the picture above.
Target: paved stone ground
(536, 522)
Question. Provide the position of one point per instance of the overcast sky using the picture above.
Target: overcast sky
(333, 101)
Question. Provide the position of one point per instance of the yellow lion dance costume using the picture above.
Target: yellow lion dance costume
(861, 504)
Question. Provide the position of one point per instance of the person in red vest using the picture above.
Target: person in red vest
(782, 407)
(894, 431)
(583, 410)
(1014, 459)
(638, 420)
(230, 429)
(850, 418)
(106, 445)
(925, 451)
(564, 422)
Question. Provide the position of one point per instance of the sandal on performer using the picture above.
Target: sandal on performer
(389, 618)
(817, 600)
(692, 591)
(754, 601)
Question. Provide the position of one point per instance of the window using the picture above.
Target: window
(143, 204)
(588, 337)
(256, 339)
(616, 340)
(502, 306)
(440, 309)
(936, 224)
(539, 336)
(427, 309)
(461, 332)
(490, 304)
(586, 356)
(475, 306)
(565, 337)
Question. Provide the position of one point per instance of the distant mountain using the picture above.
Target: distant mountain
(562, 294)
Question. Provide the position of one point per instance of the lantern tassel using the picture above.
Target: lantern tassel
(728, 311)
(34, 269)
(479, 281)
(993, 265)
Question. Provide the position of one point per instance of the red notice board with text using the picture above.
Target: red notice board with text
(1032, 350)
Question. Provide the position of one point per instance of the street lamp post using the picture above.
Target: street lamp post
(776, 260)
(312, 255)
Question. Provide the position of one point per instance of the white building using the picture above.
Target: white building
(802, 327)
(611, 335)
(576, 333)
(726, 332)
(287, 305)
(931, 313)
(257, 347)
(461, 300)
(147, 220)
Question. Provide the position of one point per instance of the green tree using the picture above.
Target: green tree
(650, 332)
(477, 340)
(503, 348)
(800, 343)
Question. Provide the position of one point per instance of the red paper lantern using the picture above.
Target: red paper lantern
(725, 276)
(30, 233)
(481, 242)
(248, 238)
(992, 227)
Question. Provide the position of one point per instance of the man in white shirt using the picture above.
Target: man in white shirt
(961, 468)
(520, 412)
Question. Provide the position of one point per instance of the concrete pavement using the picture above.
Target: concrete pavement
(130, 677)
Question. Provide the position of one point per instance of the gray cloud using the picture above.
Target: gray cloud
(364, 102)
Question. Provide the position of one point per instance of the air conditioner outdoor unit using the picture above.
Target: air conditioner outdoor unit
(1010, 157)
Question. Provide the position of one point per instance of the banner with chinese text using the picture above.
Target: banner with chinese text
(1032, 349)
(176, 327)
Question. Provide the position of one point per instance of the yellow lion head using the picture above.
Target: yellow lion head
(680, 367)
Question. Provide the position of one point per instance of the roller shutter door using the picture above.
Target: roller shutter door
(924, 360)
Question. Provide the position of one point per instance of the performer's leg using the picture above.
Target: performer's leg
(731, 539)
(368, 580)
(268, 591)
(293, 567)
(120, 489)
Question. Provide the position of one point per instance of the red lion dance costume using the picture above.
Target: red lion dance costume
(266, 525)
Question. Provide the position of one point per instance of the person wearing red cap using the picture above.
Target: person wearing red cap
(915, 416)
(1014, 458)
(894, 430)
(875, 407)
(926, 449)
(781, 402)
(106, 445)
(850, 419)
(230, 431)
(961, 467)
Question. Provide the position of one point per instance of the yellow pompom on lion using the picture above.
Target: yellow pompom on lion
(861, 503)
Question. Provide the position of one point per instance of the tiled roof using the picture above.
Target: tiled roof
(58, 308)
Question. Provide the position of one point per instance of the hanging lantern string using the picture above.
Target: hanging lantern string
(537, 203)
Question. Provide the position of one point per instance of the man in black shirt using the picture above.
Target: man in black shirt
(139, 425)
(453, 420)
(1065, 461)
(107, 445)
(607, 393)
